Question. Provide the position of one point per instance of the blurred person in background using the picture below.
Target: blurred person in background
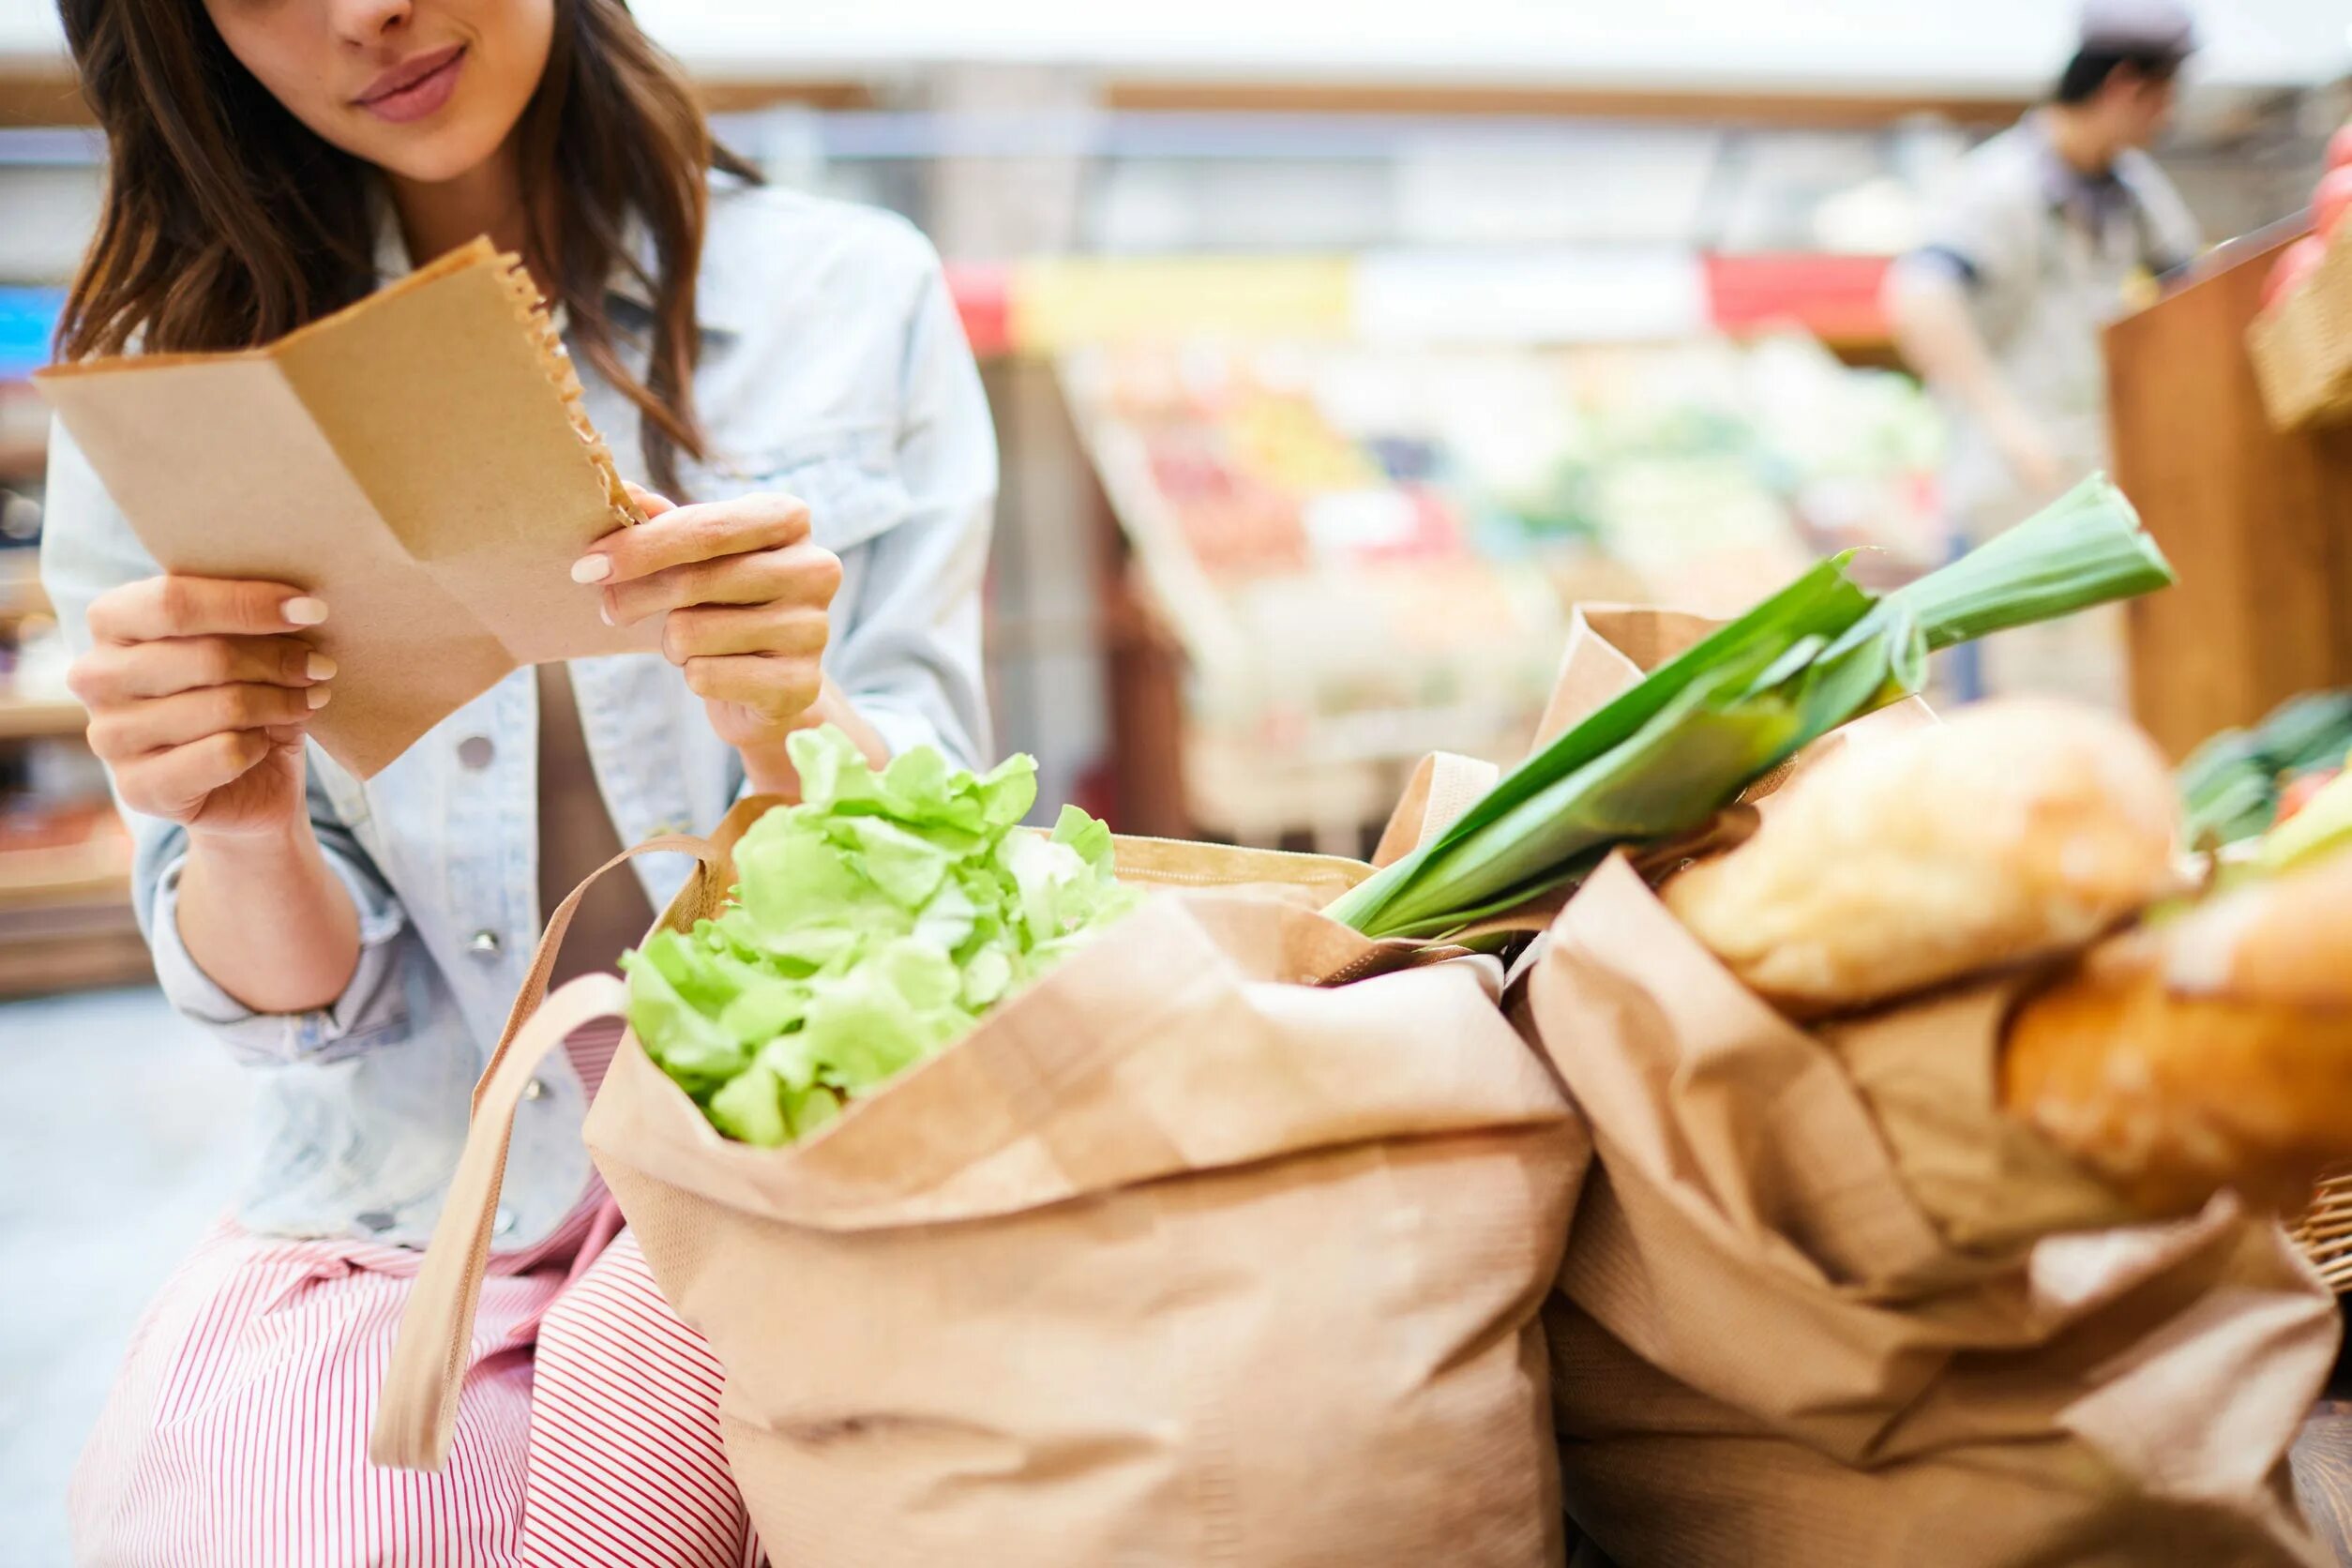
(2047, 232)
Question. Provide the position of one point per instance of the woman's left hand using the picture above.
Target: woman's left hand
(746, 598)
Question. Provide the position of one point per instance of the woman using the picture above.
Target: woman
(791, 370)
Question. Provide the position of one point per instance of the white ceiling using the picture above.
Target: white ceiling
(1994, 46)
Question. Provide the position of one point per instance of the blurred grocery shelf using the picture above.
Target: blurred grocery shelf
(21, 591)
(30, 719)
(83, 937)
(65, 899)
(1514, 298)
(65, 859)
(1332, 363)
(1344, 555)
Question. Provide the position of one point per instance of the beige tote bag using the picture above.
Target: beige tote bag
(1187, 1254)
(1816, 1310)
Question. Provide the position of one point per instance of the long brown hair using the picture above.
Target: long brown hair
(228, 222)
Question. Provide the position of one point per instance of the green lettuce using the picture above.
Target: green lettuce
(870, 927)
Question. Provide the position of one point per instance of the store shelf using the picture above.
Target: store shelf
(22, 461)
(20, 593)
(70, 938)
(51, 881)
(24, 719)
(983, 291)
(1562, 295)
(1488, 100)
(65, 919)
(1834, 297)
(43, 965)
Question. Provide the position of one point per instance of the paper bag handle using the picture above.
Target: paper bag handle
(1442, 786)
(416, 1409)
(417, 1405)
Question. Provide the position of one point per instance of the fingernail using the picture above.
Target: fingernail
(592, 568)
(319, 668)
(317, 696)
(303, 611)
(604, 612)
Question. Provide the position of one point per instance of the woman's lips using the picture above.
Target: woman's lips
(415, 88)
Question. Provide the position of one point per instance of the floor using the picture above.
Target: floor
(119, 1145)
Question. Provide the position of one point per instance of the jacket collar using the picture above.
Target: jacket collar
(2067, 189)
(626, 287)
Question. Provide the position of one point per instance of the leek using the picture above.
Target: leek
(1682, 742)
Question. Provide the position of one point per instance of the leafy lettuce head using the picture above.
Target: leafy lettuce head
(870, 927)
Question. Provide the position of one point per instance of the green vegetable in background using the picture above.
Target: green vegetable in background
(2231, 784)
(1680, 746)
(870, 927)
(2322, 828)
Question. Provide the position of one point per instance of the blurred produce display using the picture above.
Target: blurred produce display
(1367, 553)
(2330, 201)
(2242, 782)
(2301, 343)
(65, 857)
(1664, 755)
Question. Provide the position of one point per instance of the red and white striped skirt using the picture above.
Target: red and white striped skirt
(236, 1436)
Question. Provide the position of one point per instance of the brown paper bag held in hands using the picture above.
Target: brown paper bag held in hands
(1803, 1319)
(417, 461)
(1179, 1257)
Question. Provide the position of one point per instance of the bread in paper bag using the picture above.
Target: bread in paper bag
(1810, 1314)
(2212, 1048)
(2017, 829)
(1813, 1312)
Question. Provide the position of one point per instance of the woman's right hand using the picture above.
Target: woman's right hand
(200, 698)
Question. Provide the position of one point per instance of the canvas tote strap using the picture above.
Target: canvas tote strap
(416, 1410)
(551, 943)
(1443, 786)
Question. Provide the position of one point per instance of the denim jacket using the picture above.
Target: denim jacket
(832, 367)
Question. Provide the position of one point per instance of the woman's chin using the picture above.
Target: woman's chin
(430, 158)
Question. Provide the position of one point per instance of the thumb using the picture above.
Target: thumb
(653, 506)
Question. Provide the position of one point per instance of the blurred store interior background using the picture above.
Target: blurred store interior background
(1334, 351)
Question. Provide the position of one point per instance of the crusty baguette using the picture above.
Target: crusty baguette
(2019, 829)
(2210, 1050)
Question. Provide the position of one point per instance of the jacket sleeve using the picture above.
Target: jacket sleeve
(907, 654)
(87, 547)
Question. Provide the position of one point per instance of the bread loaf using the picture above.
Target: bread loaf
(2209, 1050)
(2018, 829)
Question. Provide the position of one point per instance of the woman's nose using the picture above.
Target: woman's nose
(368, 21)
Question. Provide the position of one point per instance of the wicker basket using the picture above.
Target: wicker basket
(2302, 346)
(2324, 1231)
